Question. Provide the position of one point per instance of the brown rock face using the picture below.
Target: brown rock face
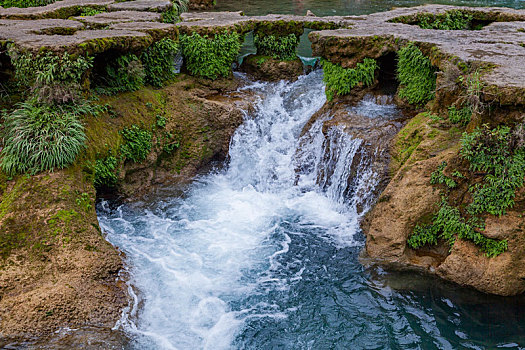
(270, 69)
(57, 271)
(410, 199)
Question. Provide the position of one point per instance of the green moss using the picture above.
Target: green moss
(408, 139)
(278, 47)
(210, 57)
(8, 198)
(416, 75)
(279, 28)
(341, 81)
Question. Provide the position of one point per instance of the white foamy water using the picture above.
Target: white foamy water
(197, 262)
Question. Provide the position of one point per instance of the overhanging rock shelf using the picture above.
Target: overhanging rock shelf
(134, 25)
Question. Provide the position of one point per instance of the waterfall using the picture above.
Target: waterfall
(229, 254)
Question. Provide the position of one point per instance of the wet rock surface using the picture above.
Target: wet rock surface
(270, 69)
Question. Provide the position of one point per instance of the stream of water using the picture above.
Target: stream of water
(263, 254)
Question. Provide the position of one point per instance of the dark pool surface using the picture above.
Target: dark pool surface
(344, 7)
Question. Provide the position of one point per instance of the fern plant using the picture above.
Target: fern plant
(438, 177)
(340, 81)
(126, 73)
(494, 152)
(210, 57)
(137, 143)
(460, 116)
(278, 47)
(450, 20)
(52, 78)
(158, 61)
(105, 172)
(416, 75)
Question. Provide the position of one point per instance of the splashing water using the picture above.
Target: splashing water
(263, 255)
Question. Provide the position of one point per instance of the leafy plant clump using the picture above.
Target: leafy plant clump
(448, 224)
(158, 61)
(210, 57)
(460, 116)
(52, 78)
(438, 177)
(91, 11)
(450, 20)
(173, 13)
(126, 73)
(137, 143)
(499, 155)
(340, 81)
(416, 75)
(25, 3)
(278, 47)
(105, 172)
(40, 137)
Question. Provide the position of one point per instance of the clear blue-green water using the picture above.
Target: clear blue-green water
(344, 7)
(263, 253)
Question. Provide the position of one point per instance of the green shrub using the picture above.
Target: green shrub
(40, 137)
(25, 3)
(450, 20)
(278, 47)
(210, 57)
(137, 143)
(340, 81)
(459, 116)
(158, 61)
(416, 75)
(126, 73)
(495, 153)
(105, 172)
(53, 78)
(438, 177)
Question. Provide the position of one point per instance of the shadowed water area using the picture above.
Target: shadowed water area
(264, 252)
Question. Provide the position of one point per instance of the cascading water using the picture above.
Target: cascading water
(263, 254)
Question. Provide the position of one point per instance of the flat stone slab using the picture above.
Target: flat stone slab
(209, 22)
(341, 39)
(54, 10)
(499, 44)
(107, 18)
(141, 5)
